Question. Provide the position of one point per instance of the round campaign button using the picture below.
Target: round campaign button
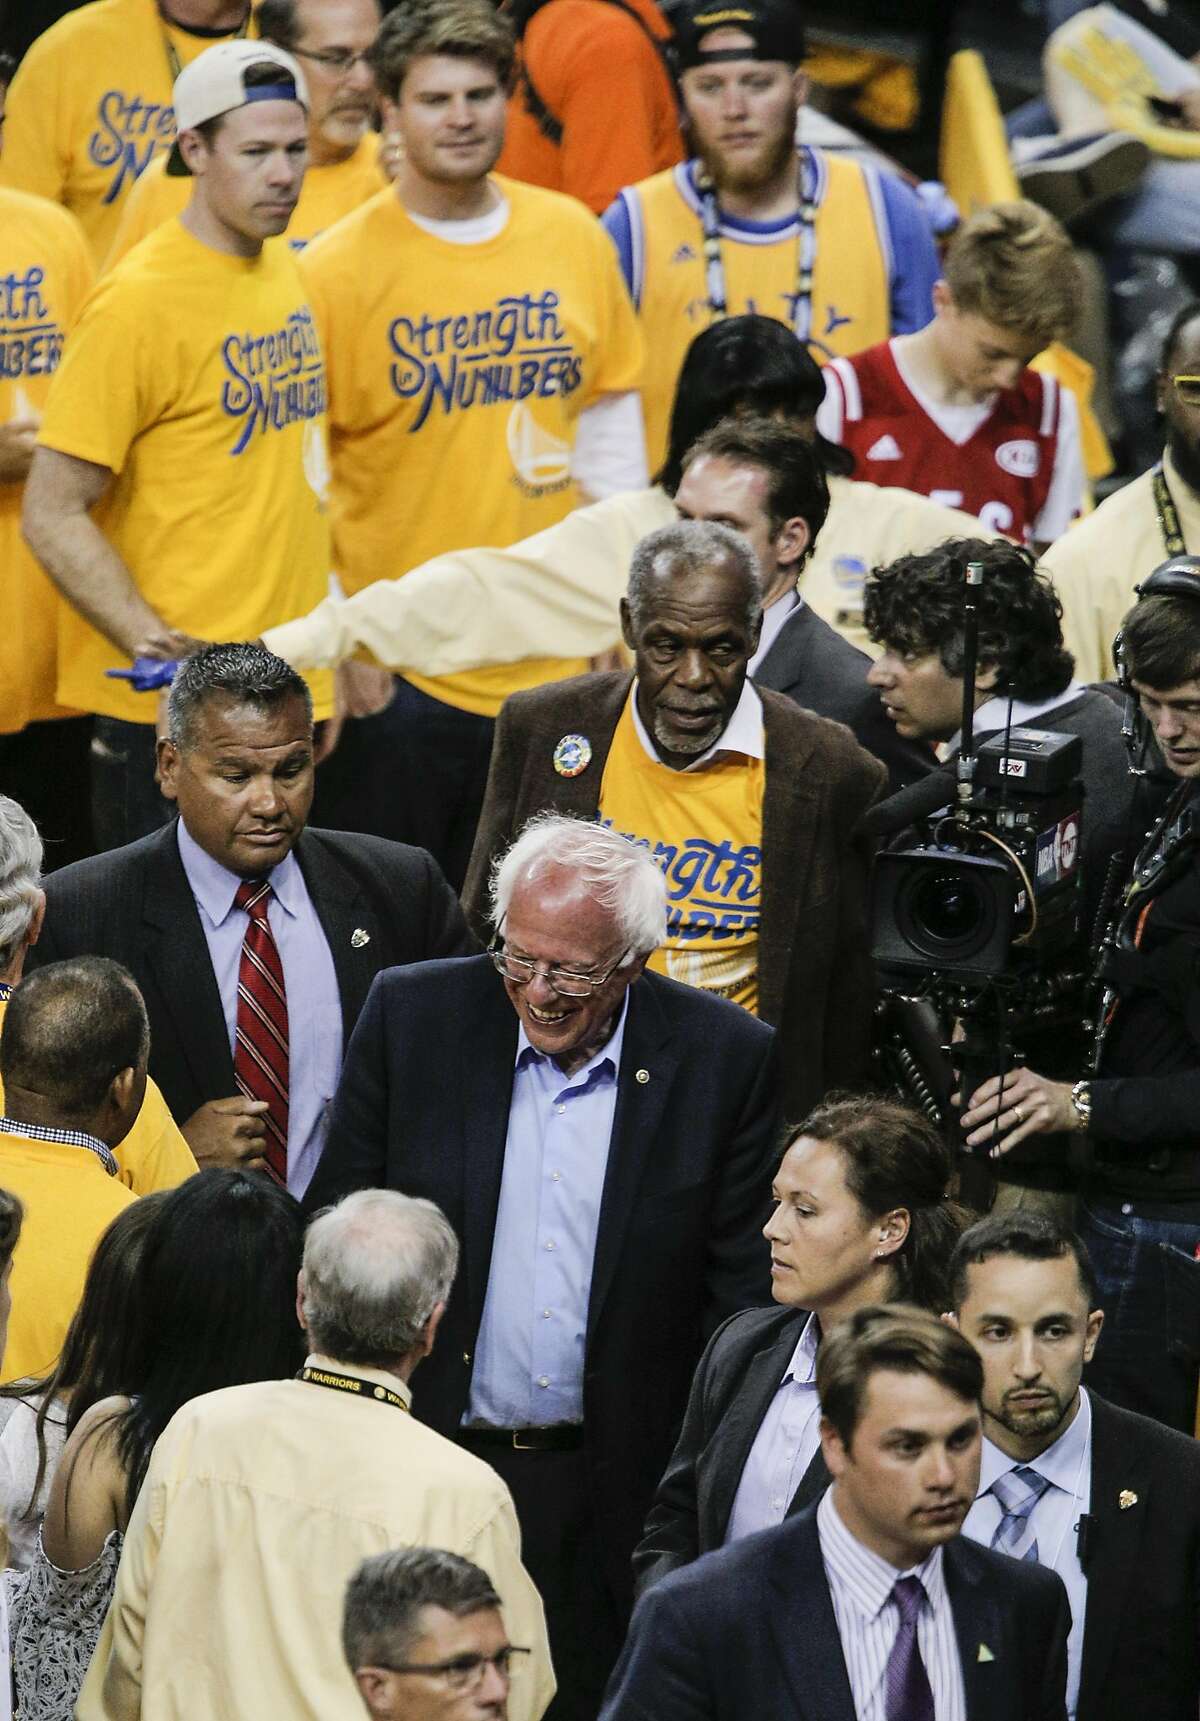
(572, 755)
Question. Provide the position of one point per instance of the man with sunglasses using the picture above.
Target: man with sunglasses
(425, 1639)
(601, 1139)
(330, 38)
(1096, 565)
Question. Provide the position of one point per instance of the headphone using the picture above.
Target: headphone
(1177, 578)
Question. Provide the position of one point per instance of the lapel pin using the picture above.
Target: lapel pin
(985, 1653)
(359, 937)
(572, 755)
(642, 1076)
(1126, 1498)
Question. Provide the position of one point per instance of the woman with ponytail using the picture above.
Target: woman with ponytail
(860, 1215)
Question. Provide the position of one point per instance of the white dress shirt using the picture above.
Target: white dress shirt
(785, 1445)
(742, 734)
(868, 1620)
(1067, 1466)
(773, 618)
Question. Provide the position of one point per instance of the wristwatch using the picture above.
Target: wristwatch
(1081, 1099)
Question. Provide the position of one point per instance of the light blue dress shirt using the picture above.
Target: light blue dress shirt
(785, 1445)
(309, 979)
(1067, 1466)
(529, 1354)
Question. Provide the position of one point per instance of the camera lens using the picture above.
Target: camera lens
(944, 912)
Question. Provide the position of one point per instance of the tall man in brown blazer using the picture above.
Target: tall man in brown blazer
(750, 803)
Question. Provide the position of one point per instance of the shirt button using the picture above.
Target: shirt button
(556, 1177)
(776, 1504)
(560, 1110)
(545, 1314)
(549, 1245)
(543, 1380)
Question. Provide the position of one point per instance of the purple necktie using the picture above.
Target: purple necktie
(906, 1683)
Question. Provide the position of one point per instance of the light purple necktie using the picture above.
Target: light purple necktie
(906, 1683)
(1018, 1492)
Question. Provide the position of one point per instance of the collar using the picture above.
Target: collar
(377, 1376)
(64, 1138)
(993, 714)
(773, 619)
(803, 1367)
(742, 734)
(214, 886)
(609, 1053)
(867, 1578)
(1061, 1464)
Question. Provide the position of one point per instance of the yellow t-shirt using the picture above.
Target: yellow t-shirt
(851, 291)
(47, 275)
(457, 374)
(328, 194)
(705, 829)
(90, 107)
(197, 378)
(69, 1199)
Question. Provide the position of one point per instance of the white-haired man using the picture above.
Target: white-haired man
(284, 1487)
(601, 1138)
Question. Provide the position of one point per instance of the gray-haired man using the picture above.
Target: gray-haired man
(284, 1487)
(601, 1138)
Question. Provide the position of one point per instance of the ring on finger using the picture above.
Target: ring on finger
(1018, 1114)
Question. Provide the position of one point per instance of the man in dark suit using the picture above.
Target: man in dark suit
(1111, 1500)
(764, 477)
(602, 1140)
(250, 1006)
(750, 803)
(868, 1605)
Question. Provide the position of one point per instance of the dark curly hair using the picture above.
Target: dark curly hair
(914, 607)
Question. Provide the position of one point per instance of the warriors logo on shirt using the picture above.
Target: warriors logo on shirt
(713, 889)
(274, 380)
(31, 341)
(128, 133)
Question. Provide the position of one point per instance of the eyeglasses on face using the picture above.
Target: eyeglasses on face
(1187, 387)
(462, 1672)
(339, 60)
(567, 982)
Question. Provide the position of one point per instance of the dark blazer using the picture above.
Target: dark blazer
(423, 1107)
(811, 663)
(750, 1631)
(815, 980)
(738, 1375)
(135, 904)
(1141, 1635)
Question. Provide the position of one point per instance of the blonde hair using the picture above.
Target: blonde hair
(464, 29)
(1014, 265)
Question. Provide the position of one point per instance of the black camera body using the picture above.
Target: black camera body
(995, 887)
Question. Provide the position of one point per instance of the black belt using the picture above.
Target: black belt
(555, 1437)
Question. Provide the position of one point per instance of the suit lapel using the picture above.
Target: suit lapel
(648, 1052)
(787, 849)
(1114, 1551)
(979, 1631)
(177, 955)
(790, 650)
(581, 795)
(738, 1426)
(811, 1485)
(804, 1625)
(486, 1097)
(345, 915)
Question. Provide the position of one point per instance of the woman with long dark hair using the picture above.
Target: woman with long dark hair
(215, 1307)
(861, 1216)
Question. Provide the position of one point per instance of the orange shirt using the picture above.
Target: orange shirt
(603, 80)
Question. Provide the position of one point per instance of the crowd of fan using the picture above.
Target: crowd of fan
(486, 502)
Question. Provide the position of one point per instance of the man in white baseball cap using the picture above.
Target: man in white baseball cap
(178, 485)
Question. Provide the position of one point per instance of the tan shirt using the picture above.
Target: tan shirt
(557, 593)
(259, 1503)
(1096, 565)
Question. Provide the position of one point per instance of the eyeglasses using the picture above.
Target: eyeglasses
(1187, 388)
(567, 982)
(464, 1672)
(339, 60)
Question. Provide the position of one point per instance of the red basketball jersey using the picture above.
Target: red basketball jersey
(1001, 473)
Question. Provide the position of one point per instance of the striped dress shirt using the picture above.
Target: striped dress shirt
(860, 1586)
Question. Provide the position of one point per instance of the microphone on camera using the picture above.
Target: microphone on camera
(910, 804)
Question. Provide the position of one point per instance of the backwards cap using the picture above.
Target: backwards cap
(775, 27)
(215, 84)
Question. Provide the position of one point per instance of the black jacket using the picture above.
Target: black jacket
(750, 1632)
(135, 905)
(423, 1107)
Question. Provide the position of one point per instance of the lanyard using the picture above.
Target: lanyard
(1168, 517)
(351, 1383)
(173, 62)
(806, 246)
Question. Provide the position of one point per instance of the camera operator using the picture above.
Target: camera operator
(1140, 1117)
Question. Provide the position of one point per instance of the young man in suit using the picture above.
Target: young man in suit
(251, 997)
(868, 1606)
(602, 1140)
(750, 803)
(1108, 1499)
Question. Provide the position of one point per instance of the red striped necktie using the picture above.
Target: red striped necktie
(260, 1060)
